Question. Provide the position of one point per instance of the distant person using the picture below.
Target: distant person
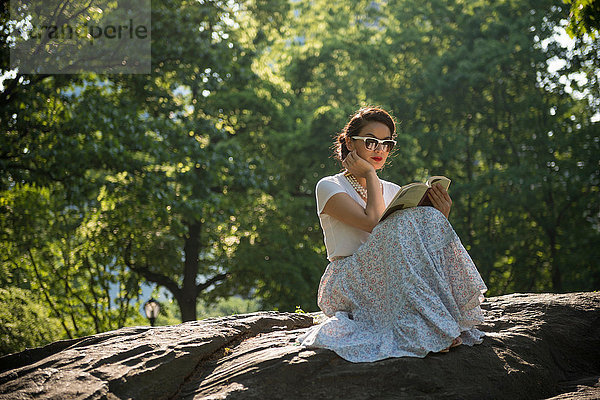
(402, 287)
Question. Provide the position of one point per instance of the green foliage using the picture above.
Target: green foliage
(170, 314)
(49, 247)
(584, 17)
(153, 167)
(25, 322)
(228, 306)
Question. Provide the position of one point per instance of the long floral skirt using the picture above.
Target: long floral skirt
(410, 289)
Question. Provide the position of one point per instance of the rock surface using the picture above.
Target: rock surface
(538, 346)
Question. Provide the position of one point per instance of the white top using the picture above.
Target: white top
(342, 239)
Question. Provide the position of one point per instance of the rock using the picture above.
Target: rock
(538, 346)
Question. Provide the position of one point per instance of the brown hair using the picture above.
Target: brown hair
(361, 118)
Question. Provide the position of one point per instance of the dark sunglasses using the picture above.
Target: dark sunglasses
(372, 143)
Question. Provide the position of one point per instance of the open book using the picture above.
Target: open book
(413, 195)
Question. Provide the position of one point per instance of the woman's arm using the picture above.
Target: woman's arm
(344, 208)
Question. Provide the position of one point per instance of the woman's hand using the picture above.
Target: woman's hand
(440, 199)
(357, 165)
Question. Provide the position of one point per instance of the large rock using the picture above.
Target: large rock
(538, 346)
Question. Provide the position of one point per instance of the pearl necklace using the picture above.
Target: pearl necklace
(357, 186)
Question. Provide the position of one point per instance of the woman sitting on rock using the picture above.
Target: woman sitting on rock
(403, 287)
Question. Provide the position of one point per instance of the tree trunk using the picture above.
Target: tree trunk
(189, 292)
(187, 307)
(555, 270)
(469, 163)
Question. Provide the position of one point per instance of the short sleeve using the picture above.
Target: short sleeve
(390, 191)
(325, 189)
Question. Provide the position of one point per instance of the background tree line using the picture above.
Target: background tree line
(198, 178)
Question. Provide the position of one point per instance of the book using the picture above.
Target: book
(414, 195)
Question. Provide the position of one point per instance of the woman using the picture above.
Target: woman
(402, 287)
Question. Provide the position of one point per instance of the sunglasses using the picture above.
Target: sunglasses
(372, 143)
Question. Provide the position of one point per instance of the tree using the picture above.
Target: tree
(24, 322)
(584, 17)
(156, 164)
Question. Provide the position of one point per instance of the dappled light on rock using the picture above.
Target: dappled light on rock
(543, 346)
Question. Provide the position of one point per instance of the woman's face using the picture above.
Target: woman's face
(376, 157)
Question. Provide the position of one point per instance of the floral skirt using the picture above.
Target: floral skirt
(410, 289)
